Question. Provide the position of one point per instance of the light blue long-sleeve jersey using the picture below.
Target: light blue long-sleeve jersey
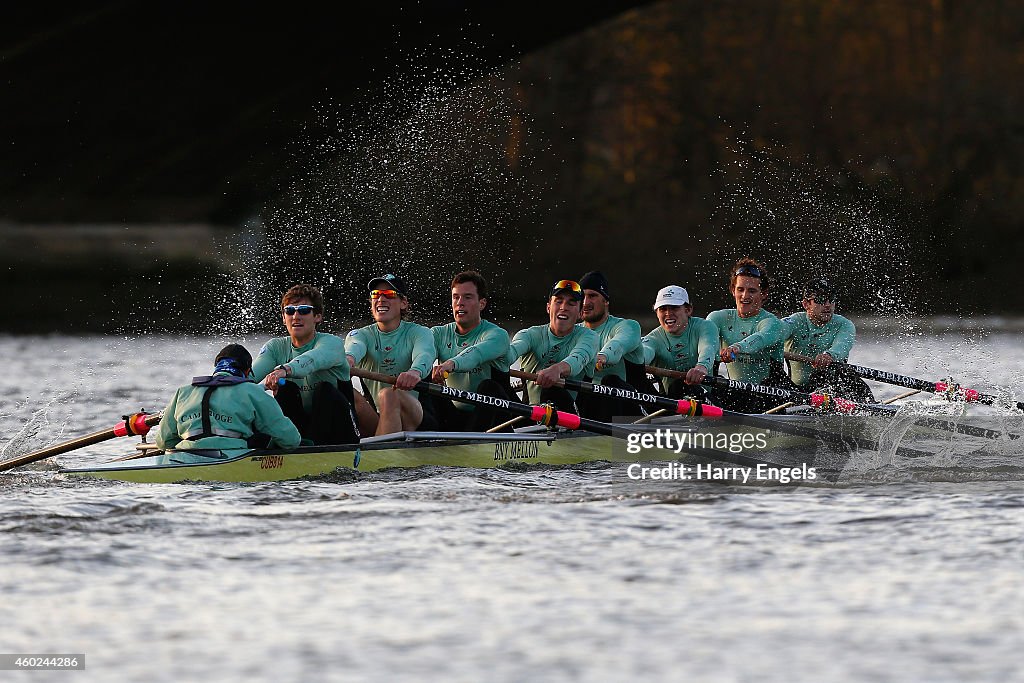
(407, 347)
(801, 336)
(477, 355)
(696, 345)
(537, 348)
(237, 411)
(759, 339)
(320, 360)
(619, 341)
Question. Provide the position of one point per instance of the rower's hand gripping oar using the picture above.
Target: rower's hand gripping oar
(950, 390)
(545, 415)
(132, 425)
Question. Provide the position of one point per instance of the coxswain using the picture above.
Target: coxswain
(224, 414)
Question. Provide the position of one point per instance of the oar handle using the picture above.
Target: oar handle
(542, 414)
(679, 407)
(664, 372)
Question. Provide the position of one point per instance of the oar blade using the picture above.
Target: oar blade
(136, 424)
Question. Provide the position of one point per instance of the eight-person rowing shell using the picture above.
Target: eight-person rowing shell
(224, 415)
(308, 370)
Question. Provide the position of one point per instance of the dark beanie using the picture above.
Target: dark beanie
(596, 281)
(236, 352)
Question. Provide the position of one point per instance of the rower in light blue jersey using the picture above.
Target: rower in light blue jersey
(472, 355)
(827, 337)
(750, 337)
(307, 371)
(620, 356)
(395, 347)
(681, 342)
(558, 349)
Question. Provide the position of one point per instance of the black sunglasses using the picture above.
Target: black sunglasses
(302, 309)
(819, 299)
(750, 270)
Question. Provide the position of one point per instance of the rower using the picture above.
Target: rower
(225, 413)
(307, 372)
(620, 357)
(682, 342)
(750, 337)
(824, 335)
(473, 355)
(558, 349)
(396, 347)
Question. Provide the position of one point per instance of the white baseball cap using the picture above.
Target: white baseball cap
(673, 295)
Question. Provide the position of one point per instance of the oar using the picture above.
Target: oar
(841, 405)
(707, 410)
(504, 425)
(950, 391)
(132, 425)
(905, 394)
(549, 416)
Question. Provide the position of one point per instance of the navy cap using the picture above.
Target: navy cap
(389, 281)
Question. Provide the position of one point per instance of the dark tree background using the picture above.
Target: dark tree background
(879, 142)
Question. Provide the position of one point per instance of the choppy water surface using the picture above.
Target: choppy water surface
(903, 572)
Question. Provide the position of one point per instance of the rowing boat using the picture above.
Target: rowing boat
(529, 446)
(800, 440)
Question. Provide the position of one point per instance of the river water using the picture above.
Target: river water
(899, 572)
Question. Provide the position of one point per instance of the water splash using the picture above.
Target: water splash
(38, 431)
(422, 178)
(803, 221)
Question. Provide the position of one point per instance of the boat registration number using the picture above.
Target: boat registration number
(270, 462)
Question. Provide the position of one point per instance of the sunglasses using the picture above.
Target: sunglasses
(752, 271)
(818, 299)
(301, 309)
(567, 284)
(385, 293)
